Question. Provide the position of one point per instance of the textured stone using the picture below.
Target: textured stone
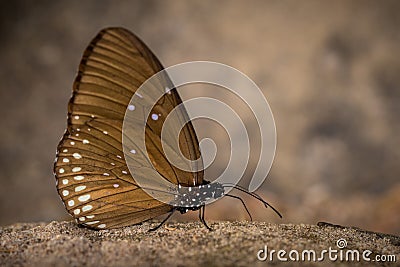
(180, 244)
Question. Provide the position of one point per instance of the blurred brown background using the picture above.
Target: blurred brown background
(330, 71)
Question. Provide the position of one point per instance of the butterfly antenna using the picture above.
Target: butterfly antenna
(266, 204)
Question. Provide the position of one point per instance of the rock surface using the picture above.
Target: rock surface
(183, 244)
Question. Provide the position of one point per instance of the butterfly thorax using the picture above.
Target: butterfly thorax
(193, 198)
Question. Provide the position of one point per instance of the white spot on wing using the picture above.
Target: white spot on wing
(87, 208)
(65, 181)
(77, 155)
(133, 151)
(65, 193)
(61, 170)
(106, 174)
(116, 185)
(77, 211)
(105, 132)
(80, 188)
(72, 143)
(154, 117)
(65, 160)
(124, 172)
(76, 117)
(84, 198)
(71, 203)
(79, 177)
(65, 150)
(94, 222)
(90, 216)
(101, 225)
(85, 141)
(131, 107)
(76, 169)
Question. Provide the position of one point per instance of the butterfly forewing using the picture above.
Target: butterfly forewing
(93, 179)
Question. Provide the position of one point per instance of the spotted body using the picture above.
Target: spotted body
(193, 198)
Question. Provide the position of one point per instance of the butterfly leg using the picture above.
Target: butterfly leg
(162, 223)
(244, 205)
(201, 217)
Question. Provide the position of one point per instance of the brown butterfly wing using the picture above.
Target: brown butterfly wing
(93, 179)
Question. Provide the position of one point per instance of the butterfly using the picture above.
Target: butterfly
(91, 173)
